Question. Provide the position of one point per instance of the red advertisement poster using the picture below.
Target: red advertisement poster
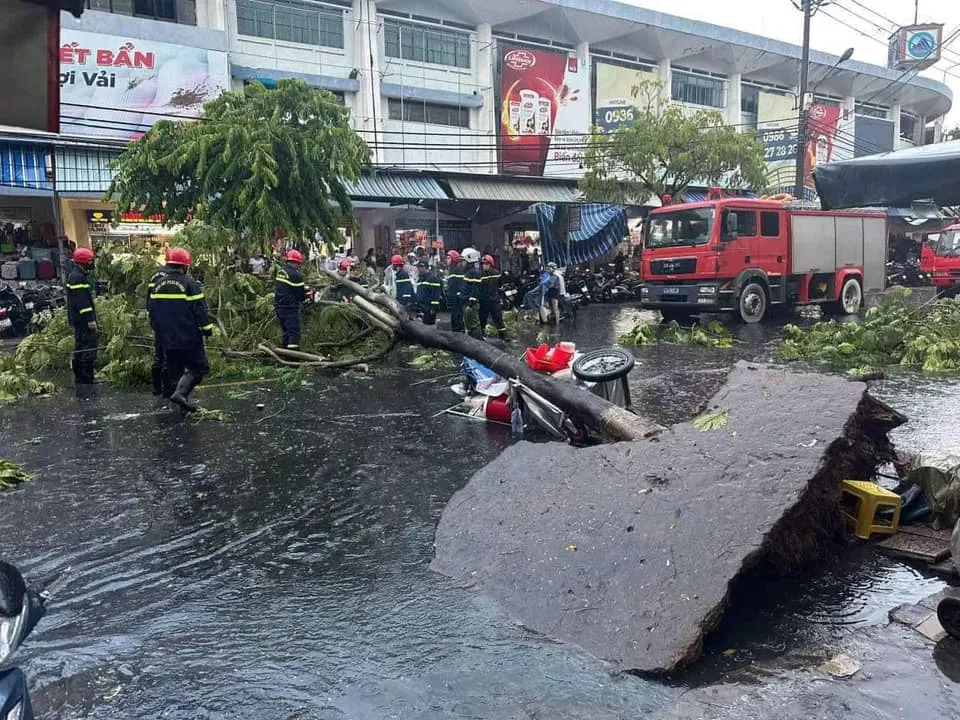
(544, 112)
(822, 122)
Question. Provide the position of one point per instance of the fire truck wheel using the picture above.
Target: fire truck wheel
(753, 303)
(851, 299)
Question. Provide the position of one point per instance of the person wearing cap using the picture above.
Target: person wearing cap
(551, 291)
(489, 297)
(455, 282)
(178, 316)
(429, 291)
(288, 297)
(82, 313)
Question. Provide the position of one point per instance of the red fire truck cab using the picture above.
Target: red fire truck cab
(940, 260)
(745, 256)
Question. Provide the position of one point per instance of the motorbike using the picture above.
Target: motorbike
(906, 274)
(14, 315)
(608, 287)
(510, 290)
(21, 608)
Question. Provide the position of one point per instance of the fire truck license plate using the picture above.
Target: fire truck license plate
(671, 291)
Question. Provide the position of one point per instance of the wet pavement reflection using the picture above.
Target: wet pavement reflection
(277, 567)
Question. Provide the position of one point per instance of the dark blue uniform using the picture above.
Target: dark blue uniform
(405, 294)
(490, 308)
(429, 291)
(288, 296)
(178, 316)
(455, 283)
(158, 373)
(470, 296)
(81, 312)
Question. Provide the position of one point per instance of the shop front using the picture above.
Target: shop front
(95, 223)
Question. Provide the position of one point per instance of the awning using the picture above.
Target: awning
(23, 170)
(515, 191)
(396, 186)
(602, 228)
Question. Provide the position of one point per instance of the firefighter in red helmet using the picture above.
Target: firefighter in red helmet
(288, 297)
(178, 315)
(83, 316)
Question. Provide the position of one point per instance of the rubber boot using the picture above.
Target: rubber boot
(181, 395)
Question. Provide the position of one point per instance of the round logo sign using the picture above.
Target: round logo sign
(818, 112)
(921, 44)
(520, 59)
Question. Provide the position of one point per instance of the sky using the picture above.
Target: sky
(837, 26)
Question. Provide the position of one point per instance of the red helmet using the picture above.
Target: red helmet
(396, 260)
(294, 256)
(453, 255)
(344, 264)
(83, 256)
(179, 256)
(488, 259)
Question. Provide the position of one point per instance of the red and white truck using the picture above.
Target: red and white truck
(940, 260)
(746, 256)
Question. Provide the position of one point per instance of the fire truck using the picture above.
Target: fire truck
(749, 256)
(940, 260)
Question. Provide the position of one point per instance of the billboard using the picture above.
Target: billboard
(544, 112)
(915, 47)
(118, 87)
(616, 99)
(777, 129)
(28, 43)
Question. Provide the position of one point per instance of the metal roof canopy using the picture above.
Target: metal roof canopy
(514, 191)
(894, 179)
(396, 186)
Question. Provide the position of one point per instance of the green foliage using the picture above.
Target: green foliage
(712, 334)
(12, 474)
(430, 359)
(709, 422)
(667, 149)
(16, 383)
(952, 134)
(257, 160)
(927, 338)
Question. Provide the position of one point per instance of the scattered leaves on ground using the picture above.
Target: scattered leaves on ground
(709, 422)
(12, 474)
(711, 334)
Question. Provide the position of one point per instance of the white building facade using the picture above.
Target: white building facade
(472, 108)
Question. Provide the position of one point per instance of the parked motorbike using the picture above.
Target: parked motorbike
(21, 607)
(906, 274)
(608, 287)
(14, 316)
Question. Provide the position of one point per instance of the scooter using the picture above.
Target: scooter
(21, 607)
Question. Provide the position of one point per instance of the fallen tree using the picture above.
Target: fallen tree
(597, 414)
(629, 549)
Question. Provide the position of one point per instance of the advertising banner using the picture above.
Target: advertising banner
(823, 145)
(117, 87)
(777, 129)
(544, 112)
(616, 100)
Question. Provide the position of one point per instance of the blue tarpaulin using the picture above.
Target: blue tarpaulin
(23, 166)
(602, 228)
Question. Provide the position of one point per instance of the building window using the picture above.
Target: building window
(291, 21)
(183, 12)
(417, 111)
(423, 43)
(871, 111)
(749, 99)
(908, 126)
(697, 89)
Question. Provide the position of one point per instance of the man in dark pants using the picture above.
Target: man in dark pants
(83, 316)
(454, 288)
(490, 298)
(406, 296)
(158, 373)
(470, 293)
(288, 296)
(179, 317)
(429, 290)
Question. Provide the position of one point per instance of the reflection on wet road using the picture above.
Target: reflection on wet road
(278, 568)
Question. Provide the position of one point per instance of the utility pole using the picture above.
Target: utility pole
(916, 11)
(798, 186)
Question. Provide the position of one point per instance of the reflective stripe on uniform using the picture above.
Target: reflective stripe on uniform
(82, 286)
(474, 280)
(85, 310)
(169, 296)
(400, 280)
(287, 282)
(424, 283)
(208, 326)
(492, 277)
(195, 297)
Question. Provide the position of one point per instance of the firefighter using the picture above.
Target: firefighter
(288, 297)
(338, 291)
(454, 288)
(429, 291)
(178, 314)
(83, 316)
(158, 373)
(406, 296)
(490, 308)
(470, 293)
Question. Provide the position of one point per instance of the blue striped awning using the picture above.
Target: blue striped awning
(602, 228)
(23, 167)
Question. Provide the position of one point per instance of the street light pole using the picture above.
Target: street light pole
(802, 119)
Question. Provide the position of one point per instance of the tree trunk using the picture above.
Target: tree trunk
(587, 409)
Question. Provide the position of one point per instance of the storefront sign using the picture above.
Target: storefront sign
(117, 87)
(777, 129)
(619, 94)
(106, 216)
(544, 112)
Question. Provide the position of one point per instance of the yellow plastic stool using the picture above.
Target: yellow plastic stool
(862, 500)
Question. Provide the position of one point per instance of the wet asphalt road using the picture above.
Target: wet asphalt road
(278, 568)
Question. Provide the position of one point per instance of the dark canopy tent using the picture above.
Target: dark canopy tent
(894, 179)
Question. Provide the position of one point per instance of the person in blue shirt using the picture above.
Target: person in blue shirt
(429, 291)
(406, 294)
